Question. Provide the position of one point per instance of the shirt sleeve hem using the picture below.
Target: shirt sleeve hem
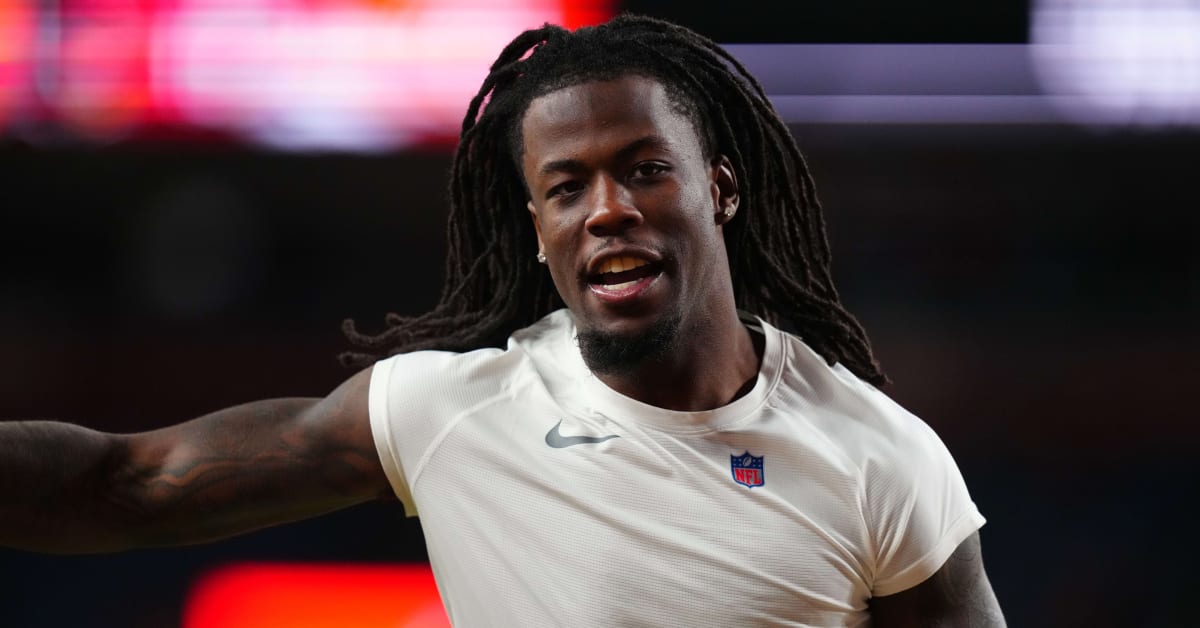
(381, 429)
(928, 564)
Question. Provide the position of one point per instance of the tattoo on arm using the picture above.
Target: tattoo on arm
(255, 465)
(965, 586)
(958, 595)
(66, 488)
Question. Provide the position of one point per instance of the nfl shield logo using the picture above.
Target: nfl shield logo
(747, 469)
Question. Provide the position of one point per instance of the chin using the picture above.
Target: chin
(607, 351)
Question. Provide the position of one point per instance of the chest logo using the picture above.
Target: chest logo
(558, 441)
(747, 469)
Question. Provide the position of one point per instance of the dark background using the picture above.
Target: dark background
(1031, 290)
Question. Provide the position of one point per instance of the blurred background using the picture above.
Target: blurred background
(195, 193)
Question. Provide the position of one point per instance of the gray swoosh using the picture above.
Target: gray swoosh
(558, 441)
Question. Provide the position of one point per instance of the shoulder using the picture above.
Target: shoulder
(429, 379)
(894, 453)
(864, 423)
(417, 399)
(913, 497)
(463, 379)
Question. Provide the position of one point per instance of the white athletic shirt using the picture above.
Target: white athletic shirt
(842, 494)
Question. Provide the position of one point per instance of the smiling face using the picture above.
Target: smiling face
(628, 210)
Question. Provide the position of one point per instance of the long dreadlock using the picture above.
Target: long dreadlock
(778, 251)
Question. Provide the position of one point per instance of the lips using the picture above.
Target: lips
(619, 277)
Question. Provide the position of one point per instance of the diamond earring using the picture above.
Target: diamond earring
(541, 257)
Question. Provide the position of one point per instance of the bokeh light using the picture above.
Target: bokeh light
(346, 75)
(1126, 62)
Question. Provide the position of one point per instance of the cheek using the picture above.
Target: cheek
(700, 194)
(697, 209)
(560, 239)
(559, 231)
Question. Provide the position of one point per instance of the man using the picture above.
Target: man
(649, 455)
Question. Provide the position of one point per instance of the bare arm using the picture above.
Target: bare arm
(957, 596)
(65, 488)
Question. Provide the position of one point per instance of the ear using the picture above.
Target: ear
(537, 227)
(724, 189)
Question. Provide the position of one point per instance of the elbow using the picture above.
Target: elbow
(127, 507)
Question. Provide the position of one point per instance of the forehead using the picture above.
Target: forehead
(593, 114)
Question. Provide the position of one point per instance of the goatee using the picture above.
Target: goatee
(606, 352)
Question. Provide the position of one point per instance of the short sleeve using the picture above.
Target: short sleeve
(415, 398)
(382, 428)
(917, 507)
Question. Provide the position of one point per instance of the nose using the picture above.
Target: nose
(612, 209)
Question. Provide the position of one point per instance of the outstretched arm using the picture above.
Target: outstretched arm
(68, 489)
(957, 596)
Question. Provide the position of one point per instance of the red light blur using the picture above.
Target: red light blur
(357, 75)
(259, 595)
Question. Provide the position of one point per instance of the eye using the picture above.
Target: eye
(564, 190)
(649, 169)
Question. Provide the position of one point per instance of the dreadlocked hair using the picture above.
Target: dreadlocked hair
(778, 251)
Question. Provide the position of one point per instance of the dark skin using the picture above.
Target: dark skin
(68, 489)
(613, 170)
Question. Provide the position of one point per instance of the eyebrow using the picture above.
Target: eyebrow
(574, 165)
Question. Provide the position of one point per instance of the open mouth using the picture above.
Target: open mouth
(619, 274)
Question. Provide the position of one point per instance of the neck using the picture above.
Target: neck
(713, 363)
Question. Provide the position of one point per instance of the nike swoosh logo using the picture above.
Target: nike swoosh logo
(558, 441)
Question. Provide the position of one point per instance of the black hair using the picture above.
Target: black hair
(778, 251)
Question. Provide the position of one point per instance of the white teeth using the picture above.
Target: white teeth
(618, 286)
(621, 264)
